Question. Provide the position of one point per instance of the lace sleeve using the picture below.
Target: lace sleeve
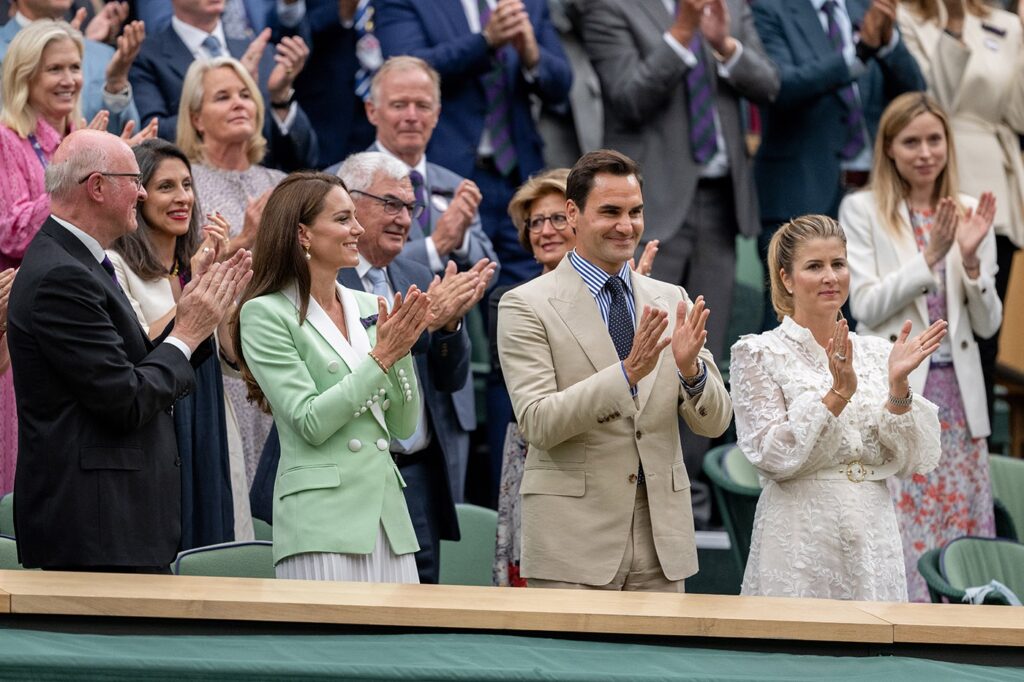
(911, 438)
(782, 441)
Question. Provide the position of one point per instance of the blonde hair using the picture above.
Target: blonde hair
(538, 186)
(190, 140)
(22, 63)
(889, 187)
(783, 248)
(929, 9)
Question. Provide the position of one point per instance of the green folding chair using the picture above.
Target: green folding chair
(973, 562)
(7, 515)
(470, 560)
(262, 530)
(1007, 475)
(736, 490)
(228, 560)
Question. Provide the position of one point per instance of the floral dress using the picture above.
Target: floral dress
(955, 499)
(829, 538)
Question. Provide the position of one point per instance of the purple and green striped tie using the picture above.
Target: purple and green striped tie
(362, 21)
(703, 139)
(854, 118)
(497, 119)
(419, 190)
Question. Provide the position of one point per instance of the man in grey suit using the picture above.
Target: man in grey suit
(672, 77)
(432, 461)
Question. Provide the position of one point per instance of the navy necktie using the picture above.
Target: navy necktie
(109, 267)
(620, 326)
(212, 45)
(700, 98)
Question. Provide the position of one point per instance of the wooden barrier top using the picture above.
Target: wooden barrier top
(511, 609)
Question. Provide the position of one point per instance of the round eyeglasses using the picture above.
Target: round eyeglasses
(392, 205)
(536, 223)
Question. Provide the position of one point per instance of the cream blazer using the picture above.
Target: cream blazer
(587, 435)
(889, 281)
(980, 84)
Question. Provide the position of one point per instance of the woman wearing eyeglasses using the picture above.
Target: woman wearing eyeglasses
(538, 212)
(220, 120)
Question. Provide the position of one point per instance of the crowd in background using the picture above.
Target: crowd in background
(452, 124)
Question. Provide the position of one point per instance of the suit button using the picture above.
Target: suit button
(381, 392)
(386, 404)
(892, 338)
(177, 461)
(924, 290)
(963, 345)
(631, 478)
(332, 366)
(382, 444)
(369, 403)
(703, 411)
(639, 435)
(355, 445)
(401, 372)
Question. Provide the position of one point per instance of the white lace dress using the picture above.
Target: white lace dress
(824, 538)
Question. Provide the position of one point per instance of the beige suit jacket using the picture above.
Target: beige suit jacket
(587, 435)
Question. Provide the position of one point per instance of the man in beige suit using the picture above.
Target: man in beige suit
(599, 362)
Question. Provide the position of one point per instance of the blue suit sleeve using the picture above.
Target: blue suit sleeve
(401, 30)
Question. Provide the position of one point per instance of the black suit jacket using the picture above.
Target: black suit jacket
(158, 74)
(98, 476)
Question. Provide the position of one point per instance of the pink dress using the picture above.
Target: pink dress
(24, 206)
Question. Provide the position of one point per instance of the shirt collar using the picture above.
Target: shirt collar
(22, 20)
(420, 167)
(193, 37)
(90, 242)
(594, 277)
(818, 4)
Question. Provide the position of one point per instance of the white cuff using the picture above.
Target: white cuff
(291, 15)
(433, 257)
(684, 52)
(116, 102)
(289, 120)
(180, 345)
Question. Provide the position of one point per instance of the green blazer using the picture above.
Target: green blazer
(336, 414)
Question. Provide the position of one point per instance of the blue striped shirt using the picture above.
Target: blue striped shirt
(595, 278)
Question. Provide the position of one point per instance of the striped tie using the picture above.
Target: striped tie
(419, 190)
(854, 118)
(496, 119)
(703, 140)
(367, 48)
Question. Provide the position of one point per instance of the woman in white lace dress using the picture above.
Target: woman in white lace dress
(826, 416)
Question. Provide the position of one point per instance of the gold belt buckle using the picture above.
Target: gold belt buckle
(856, 472)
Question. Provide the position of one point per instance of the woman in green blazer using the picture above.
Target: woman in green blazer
(333, 367)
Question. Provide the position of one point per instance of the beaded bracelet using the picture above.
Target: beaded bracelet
(379, 363)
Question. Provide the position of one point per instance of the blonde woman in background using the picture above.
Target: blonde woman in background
(922, 251)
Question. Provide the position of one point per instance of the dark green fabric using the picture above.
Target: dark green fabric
(972, 562)
(28, 655)
(470, 560)
(7, 515)
(1007, 474)
(228, 560)
(736, 502)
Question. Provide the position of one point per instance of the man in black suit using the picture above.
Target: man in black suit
(98, 478)
(379, 185)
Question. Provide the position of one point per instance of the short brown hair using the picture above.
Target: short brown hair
(581, 177)
(538, 186)
(782, 250)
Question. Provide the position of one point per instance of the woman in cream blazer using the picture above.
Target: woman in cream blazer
(920, 251)
(333, 367)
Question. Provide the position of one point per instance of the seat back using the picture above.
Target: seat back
(9, 554)
(736, 499)
(262, 530)
(1007, 474)
(972, 562)
(228, 560)
(470, 560)
(7, 515)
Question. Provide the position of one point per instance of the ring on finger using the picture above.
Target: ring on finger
(839, 356)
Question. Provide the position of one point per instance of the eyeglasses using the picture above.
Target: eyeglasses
(393, 206)
(135, 177)
(536, 223)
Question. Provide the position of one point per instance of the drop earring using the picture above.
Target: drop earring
(307, 252)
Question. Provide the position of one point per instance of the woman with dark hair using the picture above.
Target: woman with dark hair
(332, 365)
(153, 265)
(826, 416)
(921, 251)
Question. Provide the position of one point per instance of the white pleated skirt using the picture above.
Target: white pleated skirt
(380, 566)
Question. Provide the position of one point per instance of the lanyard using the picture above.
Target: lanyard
(38, 150)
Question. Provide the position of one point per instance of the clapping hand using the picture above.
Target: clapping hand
(147, 133)
(6, 282)
(973, 229)
(877, 26)
(689, 335)
(646, 263)
(398, 330)
(905, 355)
(450, 230)
(647, 344)
(206, 300)
(840, 361)
(943, 233)
(128, 45)
(214, 246)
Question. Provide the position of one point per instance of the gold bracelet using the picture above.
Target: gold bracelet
(845, 399)
(379, 363)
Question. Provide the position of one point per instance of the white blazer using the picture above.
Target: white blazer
(889, 281)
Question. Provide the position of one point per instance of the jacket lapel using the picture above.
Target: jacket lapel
(177, 54)
(806, 19)
(643, 296)
(655, 9)
(906, 250)
(578, 309)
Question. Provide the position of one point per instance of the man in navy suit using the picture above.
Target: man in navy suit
(433, 460)
(840, 63)
(196, 32)
(492, 56)
(249, 17)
